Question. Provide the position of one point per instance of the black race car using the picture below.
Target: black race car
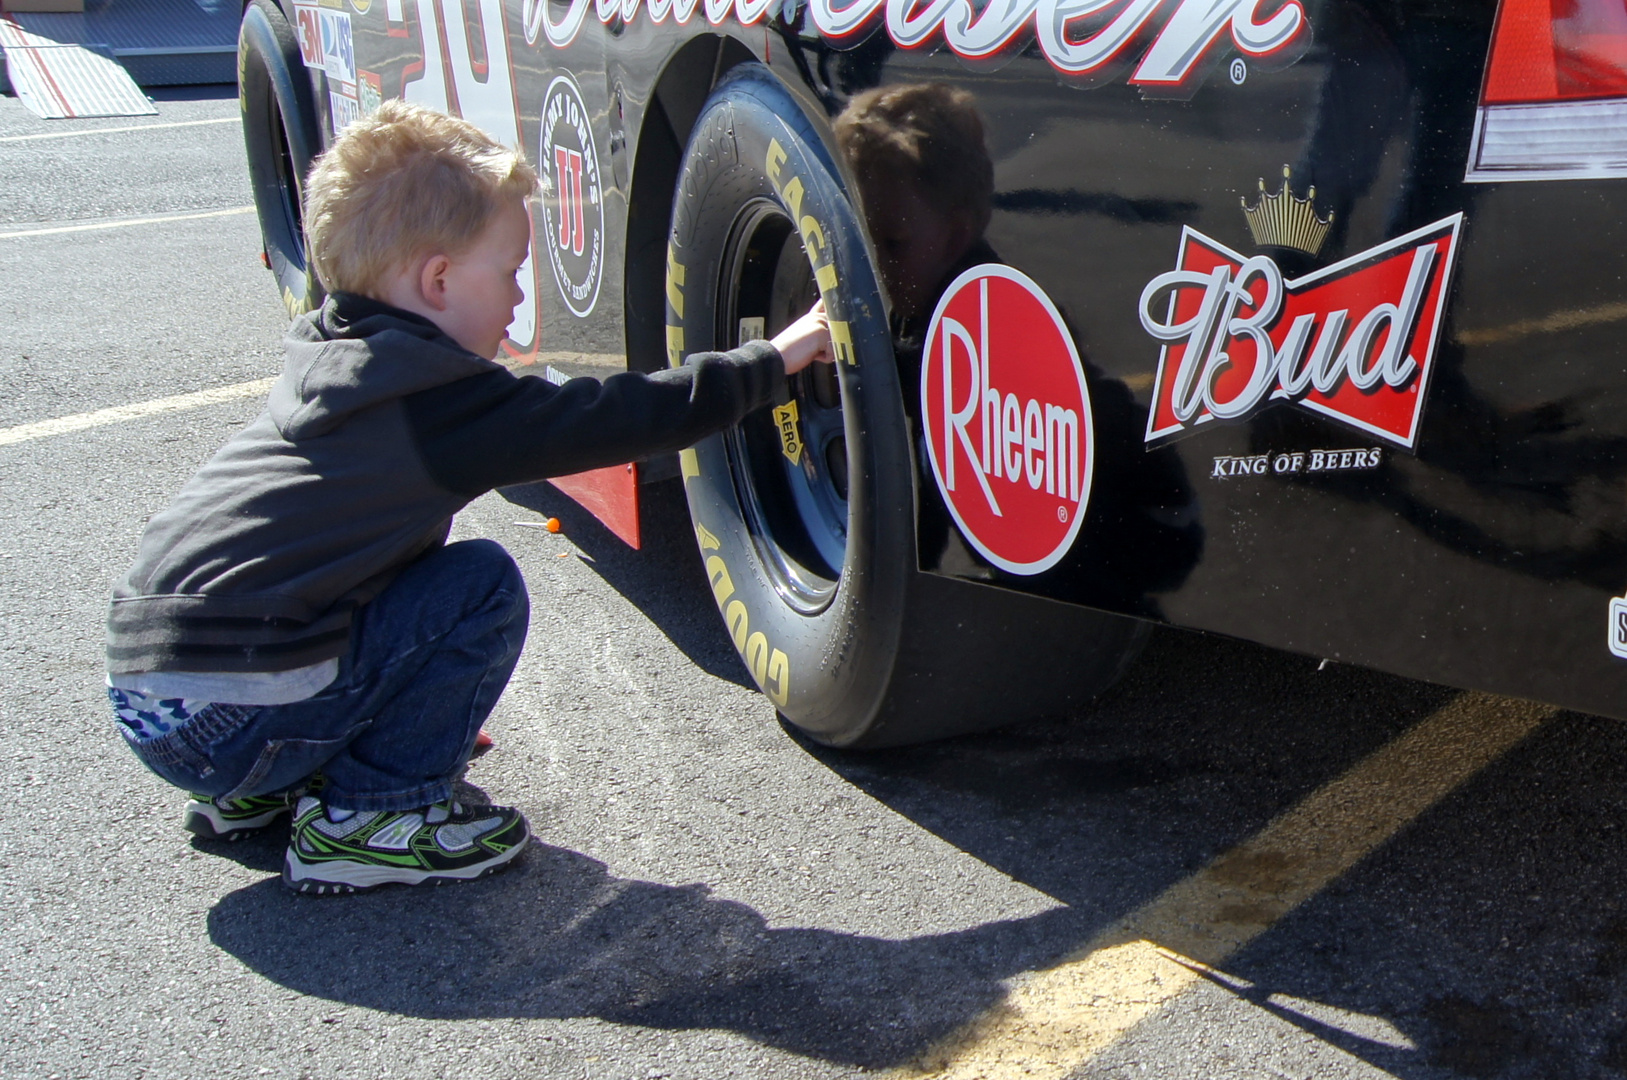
(1294, 320)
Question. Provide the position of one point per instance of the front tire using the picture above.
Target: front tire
(806, 520)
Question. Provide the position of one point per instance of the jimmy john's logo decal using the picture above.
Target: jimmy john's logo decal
(1086, 41)
(1354, 342)
(573, 204)
(1007, 419)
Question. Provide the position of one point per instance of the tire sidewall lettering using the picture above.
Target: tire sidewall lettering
(770, 667)
(753, 632)
(829, 667)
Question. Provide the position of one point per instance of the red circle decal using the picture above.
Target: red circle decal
(1007, 418)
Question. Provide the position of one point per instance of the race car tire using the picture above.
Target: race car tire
(811, 555)
(282, 137)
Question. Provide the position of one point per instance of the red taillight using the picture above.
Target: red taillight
(1557, 50)
(1554, 102)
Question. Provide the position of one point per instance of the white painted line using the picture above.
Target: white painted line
(63, 425)
(1054, 1021)
(113, 130)
(54, 230)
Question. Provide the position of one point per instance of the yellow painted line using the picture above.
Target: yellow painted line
(114, 130)
(1054, 1021)
(1547, 324)
(126, 222)
(63, 425)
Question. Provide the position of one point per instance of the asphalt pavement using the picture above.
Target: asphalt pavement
(710, 896)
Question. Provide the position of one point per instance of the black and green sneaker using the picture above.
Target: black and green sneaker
(233, 819)
(337, 851)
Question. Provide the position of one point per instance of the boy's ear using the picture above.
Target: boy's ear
(432, 281)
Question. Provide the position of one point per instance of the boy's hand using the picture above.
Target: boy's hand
(806, 340)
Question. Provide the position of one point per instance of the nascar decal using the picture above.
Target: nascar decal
(1007, 419)
(573, 209)
(1354, 342)
(1087, 40)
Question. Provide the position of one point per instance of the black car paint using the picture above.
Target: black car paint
(1485, 559)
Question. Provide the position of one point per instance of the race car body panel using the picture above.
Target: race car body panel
(1286, 322)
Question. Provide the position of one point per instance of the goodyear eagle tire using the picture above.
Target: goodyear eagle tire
(282, 138)
(806, 520)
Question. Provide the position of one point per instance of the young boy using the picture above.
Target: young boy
(295, 633)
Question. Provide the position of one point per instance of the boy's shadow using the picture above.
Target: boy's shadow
(665, 580)
(557, 936)
(1100, 815)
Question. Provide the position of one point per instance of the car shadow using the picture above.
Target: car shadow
(670, 590)
(1487, 939)
(1101, 814)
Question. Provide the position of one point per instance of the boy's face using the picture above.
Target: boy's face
(482, 286)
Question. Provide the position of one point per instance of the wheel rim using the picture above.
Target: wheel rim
(796, 512)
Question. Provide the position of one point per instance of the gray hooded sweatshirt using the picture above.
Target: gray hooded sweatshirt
(380, 428)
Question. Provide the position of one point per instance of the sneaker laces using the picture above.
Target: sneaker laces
(442, 811)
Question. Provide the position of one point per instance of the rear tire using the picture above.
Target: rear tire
(812, 561)
(282, 137)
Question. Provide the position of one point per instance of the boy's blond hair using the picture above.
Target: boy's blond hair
(400, 184)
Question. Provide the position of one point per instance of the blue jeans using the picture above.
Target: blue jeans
(428, 659)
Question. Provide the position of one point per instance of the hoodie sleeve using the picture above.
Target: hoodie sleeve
(496, 429)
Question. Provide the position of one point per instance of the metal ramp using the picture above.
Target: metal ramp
(59, 82)
(89, 63)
